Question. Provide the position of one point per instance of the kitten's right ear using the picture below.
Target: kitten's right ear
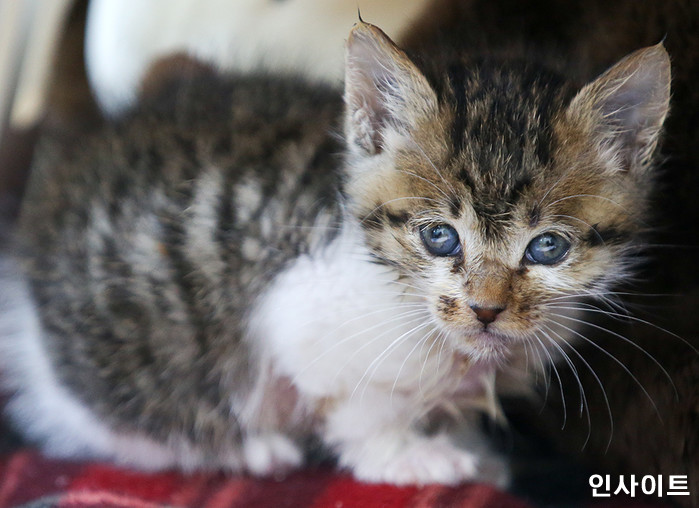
(383, 89)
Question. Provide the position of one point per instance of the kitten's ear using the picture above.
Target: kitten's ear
(628, 103)
(383, 89)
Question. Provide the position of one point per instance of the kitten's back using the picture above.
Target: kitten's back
(148, 242)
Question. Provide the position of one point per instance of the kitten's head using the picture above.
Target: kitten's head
(495, 191)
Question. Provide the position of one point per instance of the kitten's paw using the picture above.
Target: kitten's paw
(271, 453)
(418, 461)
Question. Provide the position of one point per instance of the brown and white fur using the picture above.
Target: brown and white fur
(208, 285)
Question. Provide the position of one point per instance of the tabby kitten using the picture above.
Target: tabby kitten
(209, 284)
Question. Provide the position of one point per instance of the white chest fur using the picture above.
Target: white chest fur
(340, 326)
(343, 328)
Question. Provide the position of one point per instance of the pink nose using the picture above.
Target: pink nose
(486, 315)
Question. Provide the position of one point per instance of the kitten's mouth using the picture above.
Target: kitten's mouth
(488, 332)
(491, 336)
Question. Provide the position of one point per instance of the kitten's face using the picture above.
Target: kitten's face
(499, 197)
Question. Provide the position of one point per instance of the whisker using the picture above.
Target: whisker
(440, 337)
(583, 307)
(420, 198)
(625, 339)
(558, 377)
(526, 359)
(580, 220)
(599, 382)
(401, 318)
(376, 309)
(586, 196)
(555, 184)
(611, 299)
(421, 342)
(448, 199)
(546, 372)
(632, 319)
(374, 340)
(441, 349)
(374, 365)
(616, 360)
(583, 397)
(570, 363)
(436, 170)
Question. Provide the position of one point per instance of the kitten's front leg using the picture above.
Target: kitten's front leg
(379, 444)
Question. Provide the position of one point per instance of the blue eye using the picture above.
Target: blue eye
(441, 240)
(547, 249)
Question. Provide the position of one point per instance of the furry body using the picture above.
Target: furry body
(174, 280)
(212, 283)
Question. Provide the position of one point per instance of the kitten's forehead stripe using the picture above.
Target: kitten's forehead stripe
(501, 133)
(457, 80)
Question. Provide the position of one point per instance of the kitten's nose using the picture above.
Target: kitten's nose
(486, 315)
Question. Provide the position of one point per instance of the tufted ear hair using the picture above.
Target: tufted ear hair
(384, 90)
(627, 105)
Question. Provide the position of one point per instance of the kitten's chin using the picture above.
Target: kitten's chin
(482, 345)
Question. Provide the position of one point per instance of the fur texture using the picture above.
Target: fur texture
(209, 279)
(582, 37)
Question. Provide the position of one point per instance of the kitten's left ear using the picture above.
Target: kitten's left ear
(627, 105)
(383, 90)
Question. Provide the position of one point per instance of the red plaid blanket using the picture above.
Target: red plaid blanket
(31, 480)
(28, 479)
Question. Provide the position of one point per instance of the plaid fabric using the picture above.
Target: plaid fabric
(28, 479)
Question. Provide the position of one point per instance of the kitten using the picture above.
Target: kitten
(216, 277)
(642, 420)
